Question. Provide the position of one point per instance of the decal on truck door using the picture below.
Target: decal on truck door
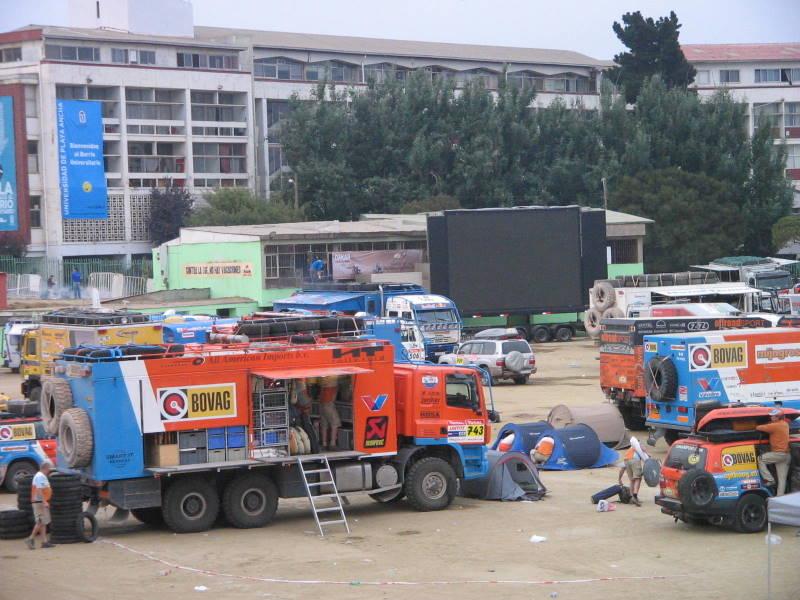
(196, 402)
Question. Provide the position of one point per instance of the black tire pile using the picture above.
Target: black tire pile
(68, 524)
(15, 524)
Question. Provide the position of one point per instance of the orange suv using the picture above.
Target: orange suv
(712, 476)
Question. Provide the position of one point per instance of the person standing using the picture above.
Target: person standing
(41, 492)
(329, 420)
(76, 283)
(778, 430)
(51, 287)
(634, 467)
(543, 450)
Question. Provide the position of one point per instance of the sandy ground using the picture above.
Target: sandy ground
(471, 550)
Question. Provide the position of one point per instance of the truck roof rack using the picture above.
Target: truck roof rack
(97, 317)
(363, 287)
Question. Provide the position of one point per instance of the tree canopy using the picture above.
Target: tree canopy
(169, 210)
(239, 206)
(653, 50)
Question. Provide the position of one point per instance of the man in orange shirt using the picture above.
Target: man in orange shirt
(778, 430)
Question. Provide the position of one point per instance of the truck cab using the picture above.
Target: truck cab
(436, 316)
(14, 333)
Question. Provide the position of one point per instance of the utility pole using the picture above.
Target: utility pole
(605, 194)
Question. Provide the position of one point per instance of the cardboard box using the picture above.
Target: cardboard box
(164, 455)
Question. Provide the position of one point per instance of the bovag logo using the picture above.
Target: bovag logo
(197, 402)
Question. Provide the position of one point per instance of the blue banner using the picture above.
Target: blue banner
(9, 220)
(81, 172)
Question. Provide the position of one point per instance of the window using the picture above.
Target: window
(383, 72)
(767, 75)
(79, 53)
(729, 76)
(790, 76)
(516, 345)
(71, 92)
(219, 158)
(625, 251)
(793, 156)
(31, 104)
(278, 68)
(194, 60)
(36, 211)
(462, 392)
(685, 457)
(792, 114)
(33, 156)
(10, 55)
(134, 57)
(703, 77)
(334, 71)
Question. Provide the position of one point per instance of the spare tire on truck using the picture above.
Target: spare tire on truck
(591, 321)
(661, 379)
(697, 489)
(615, 312)
(75, 437)
(603, 295)
(56, 397)
(515, 361)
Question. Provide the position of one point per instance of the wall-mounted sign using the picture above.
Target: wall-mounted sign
(8, 167)
(218, 269)
(349, 265)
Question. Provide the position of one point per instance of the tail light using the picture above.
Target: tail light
(531, 361)
(683, 410)
(501, 362)
(102, 331)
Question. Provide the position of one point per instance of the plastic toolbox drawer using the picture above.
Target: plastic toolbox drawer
(236, 440)
(216, 442)
(191, 439)
(236, 453)
(216, 455)
(193, 457)
(274, 418)
(275, 437)
(235, 429)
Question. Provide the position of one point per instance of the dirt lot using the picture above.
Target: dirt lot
(469, 551)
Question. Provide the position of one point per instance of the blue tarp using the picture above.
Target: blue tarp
(576, 446)
(341, 301)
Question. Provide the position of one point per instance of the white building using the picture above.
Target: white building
(200, 107)
(767, 78)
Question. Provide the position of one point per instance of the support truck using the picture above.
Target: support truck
(182, 436)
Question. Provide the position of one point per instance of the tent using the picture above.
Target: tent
(781, 510)
(576, 446)
(511, 476)
(604, 418)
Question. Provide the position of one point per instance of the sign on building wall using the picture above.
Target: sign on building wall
(81, 173)
(349, 265)
(9, 220)
(218, 269)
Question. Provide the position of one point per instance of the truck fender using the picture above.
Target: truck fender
(408, 455)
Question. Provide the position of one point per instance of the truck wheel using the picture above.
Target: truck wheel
(521, 380)
(75, 438)
(591, 322)
(430, 484)
(564, 334)
(541, 335)
(190, 505)
(250, 500)
(751, 514)
(56, 397)
(35, 395)
(632, 419)
(21, 468)
(151, 516)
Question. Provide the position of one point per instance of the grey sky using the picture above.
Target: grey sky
(581, 25)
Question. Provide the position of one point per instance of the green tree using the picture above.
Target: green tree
(237, 206)
(431, 204)
(693, 219)
(786, 231)
(169, 210)
(653, 50)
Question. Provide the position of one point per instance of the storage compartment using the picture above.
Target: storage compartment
(236, 454)
(275, 418)
(350, 477)
(344, 439)
(216, 442)
(192, 439)
(276, 437)
(236, 440)
(345, 411)
(216, 455)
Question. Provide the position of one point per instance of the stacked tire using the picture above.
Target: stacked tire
(604, 298)
(66, 507)
(15, 524)
(24, 494)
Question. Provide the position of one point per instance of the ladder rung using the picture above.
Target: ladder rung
(310, 483)
(321, 510)
(313, 471)
(325, 496)
(331, 522)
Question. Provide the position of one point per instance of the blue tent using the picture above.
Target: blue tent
(576, 446)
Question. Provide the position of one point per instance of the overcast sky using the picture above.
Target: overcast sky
(582, 25)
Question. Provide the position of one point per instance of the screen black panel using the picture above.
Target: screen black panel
(593, 239)
(507, 260)
(437, 252)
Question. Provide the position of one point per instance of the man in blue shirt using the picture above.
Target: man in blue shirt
(76, 283)
(317, 268)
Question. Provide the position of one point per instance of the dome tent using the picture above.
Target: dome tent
(576, 446)
(511, 476)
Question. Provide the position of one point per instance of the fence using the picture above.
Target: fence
(28, 276)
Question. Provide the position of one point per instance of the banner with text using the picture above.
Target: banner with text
(218, 269)
(81, 172)
(349, 265)
(8, 167)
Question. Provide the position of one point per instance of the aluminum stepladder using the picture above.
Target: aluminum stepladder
(322, 468)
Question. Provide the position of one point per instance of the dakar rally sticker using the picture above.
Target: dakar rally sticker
(739, 458)
(9, 433)
(718, 356)
(465, 432)
(197, 402)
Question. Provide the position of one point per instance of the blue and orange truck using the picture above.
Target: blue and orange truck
(183, 433)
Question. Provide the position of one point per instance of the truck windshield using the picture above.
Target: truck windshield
(436, 316)
(774, 281)
(686, 456)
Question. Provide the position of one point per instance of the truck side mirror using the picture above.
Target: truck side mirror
(494, 416)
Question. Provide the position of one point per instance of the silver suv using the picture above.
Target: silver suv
(504, 357)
